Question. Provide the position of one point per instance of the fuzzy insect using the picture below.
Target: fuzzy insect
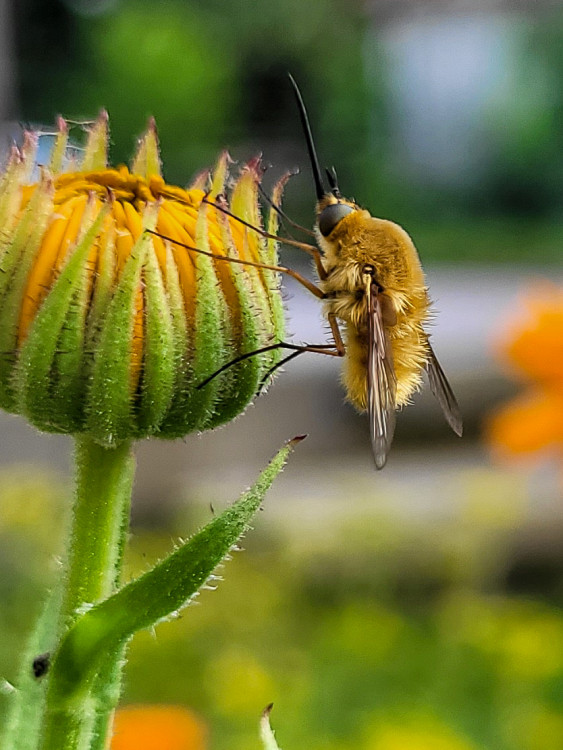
(370, 280)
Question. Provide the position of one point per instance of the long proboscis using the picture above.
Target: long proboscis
(321, 192)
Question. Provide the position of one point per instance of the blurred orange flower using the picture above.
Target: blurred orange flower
(533, 346)
(158, 728)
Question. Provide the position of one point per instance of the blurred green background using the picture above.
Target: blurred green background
(414, 609)
(424, 111)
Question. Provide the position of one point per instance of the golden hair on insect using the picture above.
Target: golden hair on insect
(373, 285)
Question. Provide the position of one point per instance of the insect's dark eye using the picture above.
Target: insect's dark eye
(331, 216)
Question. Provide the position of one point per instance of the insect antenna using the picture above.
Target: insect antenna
(321, 192)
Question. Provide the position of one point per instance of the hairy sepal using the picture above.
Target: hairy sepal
(111, 418)
(35, 382)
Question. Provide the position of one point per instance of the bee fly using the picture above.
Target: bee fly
(370, 280)
(373, 283)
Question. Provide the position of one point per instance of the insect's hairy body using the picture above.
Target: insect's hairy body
(371, 281)
(357, 240)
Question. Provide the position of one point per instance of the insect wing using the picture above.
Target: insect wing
(443, 392)
(382, 383)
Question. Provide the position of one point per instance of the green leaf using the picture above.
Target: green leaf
(264, 283)
(67, 372)
(153, 597)
(58, 152)
(103, 288)
(176, 422)
(25, 712)
(17, 260)
(210, 333)
(17, 173)
(240, 383)
(271, 257)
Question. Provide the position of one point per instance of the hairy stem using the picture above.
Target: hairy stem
(100, 522)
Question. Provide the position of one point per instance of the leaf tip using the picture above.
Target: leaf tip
(266, 733)
(295, 441)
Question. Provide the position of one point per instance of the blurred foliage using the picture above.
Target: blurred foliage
(214, 75)
(31, 526)
(370, 632)
(208, 72)
(525, 125)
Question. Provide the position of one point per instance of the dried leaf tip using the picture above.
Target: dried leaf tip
(296, 440)
(266, 733)
(267, 711)
(62, 126)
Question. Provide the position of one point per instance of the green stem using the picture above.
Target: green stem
(104, 478)
(107, 692)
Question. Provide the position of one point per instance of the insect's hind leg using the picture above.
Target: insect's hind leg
(336, 349)
(317, 349)
(296, 349)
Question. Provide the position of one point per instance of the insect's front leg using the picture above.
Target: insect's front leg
(311, 250)
(322, 273)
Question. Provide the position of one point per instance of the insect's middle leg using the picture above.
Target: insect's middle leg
(339, 344)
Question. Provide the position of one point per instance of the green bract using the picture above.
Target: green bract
(107, 329)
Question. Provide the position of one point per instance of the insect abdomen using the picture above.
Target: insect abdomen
(362, 240)
(410, 353)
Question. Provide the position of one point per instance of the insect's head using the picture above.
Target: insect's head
(331, 207)
(330, 212)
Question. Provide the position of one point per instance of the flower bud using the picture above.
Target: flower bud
(108, 329)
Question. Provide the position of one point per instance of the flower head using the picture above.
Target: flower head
(107, 329)
(533, 422)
